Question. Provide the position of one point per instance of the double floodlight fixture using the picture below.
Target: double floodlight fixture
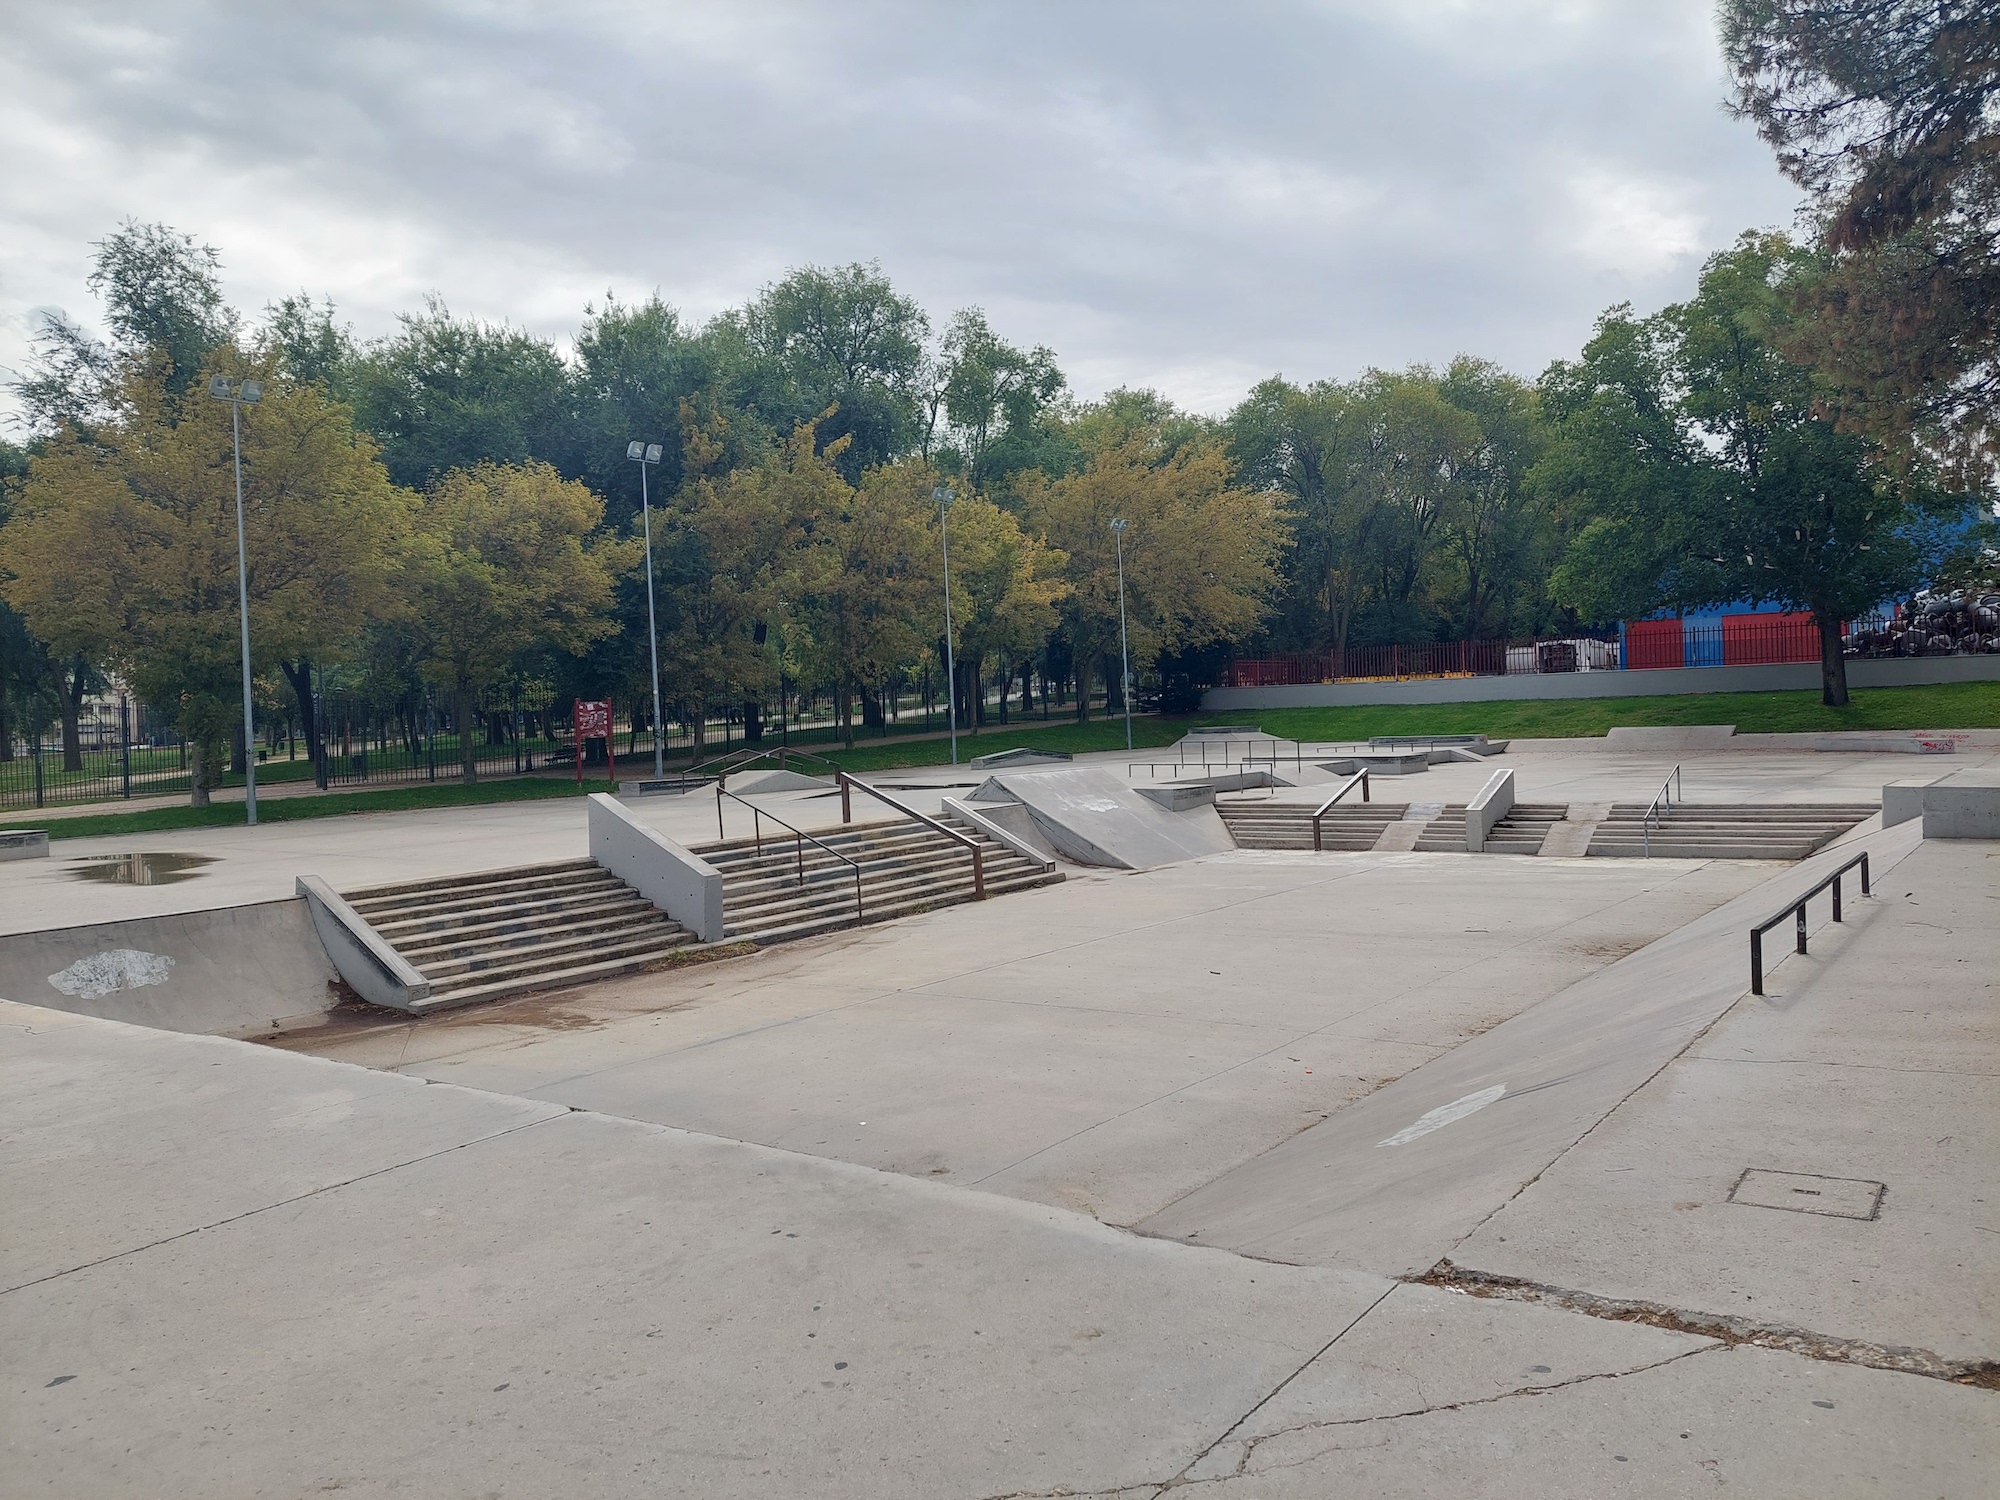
(644, 453)
(249, 392)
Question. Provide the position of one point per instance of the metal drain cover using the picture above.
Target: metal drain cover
(1808, 1193)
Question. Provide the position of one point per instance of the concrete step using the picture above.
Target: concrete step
(838, 895)
(480, 987)
(937, 855)
(512, 874)
(436, 947)
(446, 899)
(535, 958)
(949, 894)
(501, 915)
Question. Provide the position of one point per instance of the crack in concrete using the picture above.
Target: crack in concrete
(1725, 1328)
(1250, 1448)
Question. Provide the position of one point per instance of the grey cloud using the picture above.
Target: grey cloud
(1181, 195)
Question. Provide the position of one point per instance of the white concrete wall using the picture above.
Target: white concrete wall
(676, 880)
(1494, 802)
(1644, 684)
(1963, 806)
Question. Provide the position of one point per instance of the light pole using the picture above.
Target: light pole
(943, 495)
(645, 455)
(244, 393)
(1124, 650)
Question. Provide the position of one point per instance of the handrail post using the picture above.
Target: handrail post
(1864, 872)
(846, 804)
(1801, 915)
(1836, 898)
(1757, 962)
(1364, 786)
(978, 874)
(718, 812)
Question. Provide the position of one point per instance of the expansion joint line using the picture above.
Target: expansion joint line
(1724, 1328)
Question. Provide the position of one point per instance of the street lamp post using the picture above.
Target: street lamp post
(645, 455)
(1124, 649)
(943, 495)
(243, 393)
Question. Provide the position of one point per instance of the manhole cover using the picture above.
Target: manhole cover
(1808, 1193)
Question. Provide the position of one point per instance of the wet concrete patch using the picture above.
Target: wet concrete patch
(139, 869)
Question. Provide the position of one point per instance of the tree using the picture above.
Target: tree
(857, 582)
(1004, 586)
(162, 302)
(505, 558)
(1888, 113)
(1200, 552)
(1746, 491)
(122, 549)
(996, 397)
(303, 343)
(841, 338)
(450, 393)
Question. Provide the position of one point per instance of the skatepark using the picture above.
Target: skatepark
(1454, 1154)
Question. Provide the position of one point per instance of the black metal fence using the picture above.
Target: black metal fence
(119, 750)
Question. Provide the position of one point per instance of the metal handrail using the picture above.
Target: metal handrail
(1646, 824)
(847, 816)
(1798, 909)
(1360, 780)
(736, 760)
(800, 839)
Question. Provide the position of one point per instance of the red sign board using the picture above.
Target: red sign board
(593, 722)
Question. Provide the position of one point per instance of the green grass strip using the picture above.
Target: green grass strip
(292, 809)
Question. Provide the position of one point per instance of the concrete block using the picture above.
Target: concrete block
(1965, 806)
(1671, 737)
(25, 843)
(1902, 801)
(1494, 802)
(1019, 757)
(1385, 764)
(759, 782)
(679, 882)
(1179, 796)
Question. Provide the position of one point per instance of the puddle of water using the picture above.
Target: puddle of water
(140, 869)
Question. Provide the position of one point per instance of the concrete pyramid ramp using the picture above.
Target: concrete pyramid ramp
(1393, 1182)
(1093, 818)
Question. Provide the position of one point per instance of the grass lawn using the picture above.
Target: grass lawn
(288, 809)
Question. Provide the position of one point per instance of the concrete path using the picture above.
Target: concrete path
(227, 1270)
(1858, 1092)
(1105, 1045)
(1394, 1183)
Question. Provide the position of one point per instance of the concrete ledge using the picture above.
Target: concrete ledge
(1787, 677)
(1180, 796)
(1902, 801)
(1494, 802)
(675, 879)
(25, 843)
(1670, 737)
(1018, 757)
(1964, 806)
(373, 970)
(1384, 764)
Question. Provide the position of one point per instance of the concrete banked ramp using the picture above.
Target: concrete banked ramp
(238, 971)
(1093, 818)
(1394, 1182)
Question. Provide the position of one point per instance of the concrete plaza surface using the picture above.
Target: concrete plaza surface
(263, 863)
(1264, 1174)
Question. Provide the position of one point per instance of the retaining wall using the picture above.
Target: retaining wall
(1792, 676)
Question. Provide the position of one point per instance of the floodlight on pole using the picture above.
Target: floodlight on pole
(242, 394)
(645, 455)
(1124, 649)
(943, 495)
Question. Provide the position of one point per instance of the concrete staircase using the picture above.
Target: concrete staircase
(782, 892)
(1352, 826)
(1731, 830)
(505, 932)
(1524, 828)
(1786, 831)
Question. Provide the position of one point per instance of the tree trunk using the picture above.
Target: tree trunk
(198, 773)
(468, 741)
(843, 713)
(1832, 662)
(753, 722)
(6, 727)
(237, 749)
(1082, 670)
(70, 688)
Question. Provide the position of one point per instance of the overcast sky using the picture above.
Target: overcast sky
(1186, 196)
